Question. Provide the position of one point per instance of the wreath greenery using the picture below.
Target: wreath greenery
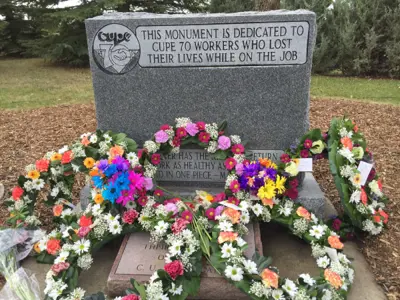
(124, 199)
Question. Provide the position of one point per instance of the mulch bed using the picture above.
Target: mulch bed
(26, 135)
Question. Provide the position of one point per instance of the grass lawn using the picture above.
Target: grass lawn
(31, 83)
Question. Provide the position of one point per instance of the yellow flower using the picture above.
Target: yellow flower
(98, 199)
(267, 191)
(56, 156)
(357, 179)
(89, 162)
(37, 248)
(280, 184)
(292, 169)
(34, 174)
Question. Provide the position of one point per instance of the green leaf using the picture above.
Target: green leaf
(221, 154)
(222, 125)
(192, 285)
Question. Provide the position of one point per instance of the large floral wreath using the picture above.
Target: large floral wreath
(125, 198)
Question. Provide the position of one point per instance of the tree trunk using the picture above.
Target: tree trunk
(263, 5)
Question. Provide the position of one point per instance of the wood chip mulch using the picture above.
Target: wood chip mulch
(26, 135)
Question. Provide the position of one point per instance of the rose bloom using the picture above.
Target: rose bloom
(57, 268)
(17, 192)
(179, 225)
(302, 212)
(333, 278)
(227, 236)
(174, 269)
(53, 246)
(347, 143)
(66, 157)
(116, 151)
(42, 165)
(57, 210)
(232, 214)
(269, 278)
(335, 242)
(85, 221)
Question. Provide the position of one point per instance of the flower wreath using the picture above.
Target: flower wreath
(124, 200)
(345, 147)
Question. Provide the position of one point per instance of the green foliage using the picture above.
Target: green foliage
(217, 6)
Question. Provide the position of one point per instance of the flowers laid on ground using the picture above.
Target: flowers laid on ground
(125, 198)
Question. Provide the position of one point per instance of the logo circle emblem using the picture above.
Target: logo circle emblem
(116, 49)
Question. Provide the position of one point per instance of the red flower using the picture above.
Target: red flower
(201, 125)
(57, 268)
(17, 192)
(307, 143)
(204, 137)
(292, 193)
(233, 200)
(130, 216)
(371, 175)
(187, 215)
(174, 269)
(380, 184)
(53, 246)
(66, 157)
(42, 165)
(294, 183)
(285, 158)
(85, 221)
(176, 142)
(379, 215)
(140, 153)
(364, 197)
(158, 193)
(155, 159)
(238, 149)
(165, 127)
(336, 224)
(304, 153)
(131, 297)
(219, 197)
(210, 213)
(142, 200)
(179, 225)
(230, 163)
(181, 132)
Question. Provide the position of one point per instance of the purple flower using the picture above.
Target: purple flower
(148, 183)
(271, 173)
(192, 129)
(102, 164)
(121, 163)
(224, 142)
(161, 136)
(218, 210)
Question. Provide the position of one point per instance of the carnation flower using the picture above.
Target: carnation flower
(192, 129)
(179, 225)
(174, 269)
(59, 267)
(161, 136)
(224, 142)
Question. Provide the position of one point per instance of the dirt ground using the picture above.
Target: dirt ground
(26, 135)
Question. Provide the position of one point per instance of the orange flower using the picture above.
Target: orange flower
(269, 202)
(53, 246)
(42, 165)
(355, 128)
(66, 157)
(85, 141)
(379, 215)
(333, 278)
(57, 210)
(89, 162)
(364, 197)
(56, 156)
(36, 248)
(335, 242)
(347, 143)
(267, 163)
(98, 199)
(94, 172)
(116, 151)
(232, 214)
(227, 236)
(34, 174)
(270, 278)
(296, 161)
(302, 212)
(380, 184)
(209, 198)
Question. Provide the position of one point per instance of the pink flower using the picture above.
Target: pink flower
(57, 268)
(130, 216)
(307, 144)
(126, 196)
(165, 127)
(219, 197)
(83, 231)
(204, 137)
(161, 136)
(187, 215)
(336, 224)
(176, 142)
(238, 149)
(142, 200)
(201, 125)
(140, 152)
(210, 213)
(233, 200)
(235, 186)
(156, 159)
(224, 142)
(171, 207)
(285, 158)
(158, 193)
(131, 297)
(136, 180)
(230, 163)
(179, 225)
(219, 210)
(239, 169)
(304, 153)
(192, 129)
(181, 132)
(174, 269)
(148, 183)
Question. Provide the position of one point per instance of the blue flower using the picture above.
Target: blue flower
(122, 181)
(111, 170)
(97, 181)
(111, 192)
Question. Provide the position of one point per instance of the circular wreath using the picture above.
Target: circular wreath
(124, 200)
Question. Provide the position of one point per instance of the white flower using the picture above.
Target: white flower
(228, 250)
(176, 290)
(327, 295)
(93, 138)
(107, 138)
(175, 248)
(285, 210)
(62, 257)
(350, 275)
(290, 287)
(37, 184)
(85, 261)
(63, 149)
(355, 196)
(314, 218)
(97, 210)
(212, 147)
(235, 139)
(109, 217)
(346, 153)
(65, 233)
(77, 293)
(66, 212)
(323, 262)
(234, 273)
(182, 122)
(132, 158)
(244, 205)
(57, 289)
(115, 227)
(257, 209)
(250, 266)
(28, 186)
(161, 228)
(278, 295)
(374, 186)
(240, 242)
(150, 146)
(54, 192)
(81, 246)
(225, 226)
(245, 217)
(307, 279)
(317, 231)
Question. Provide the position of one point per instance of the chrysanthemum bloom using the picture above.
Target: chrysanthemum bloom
(238, 149)
(230, 163)
(89, 162)
(204, 137)
(85, 221)
(307, 143)
(227, 236)
(142, 200)
(269, 278)
(34, 174)
(56, 156)
(285, 158)
(98, 199)
(66, 157)
(334, 242)
(333, 278)
(224, 142)
(57, 210)
(17, 192)
(181, 132)
(158, 193)
(304, 153)
(347, 142)
(174, 269)
(234, 186)
(156, 159)
(85, 141)
(280, 184)
(302, 212)
(53, 246)
(210, 213)
(42, 165)
(161, 136)
(187, 215)
(201, 125)
(267, 191)
(116, 151)
(232, 214)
